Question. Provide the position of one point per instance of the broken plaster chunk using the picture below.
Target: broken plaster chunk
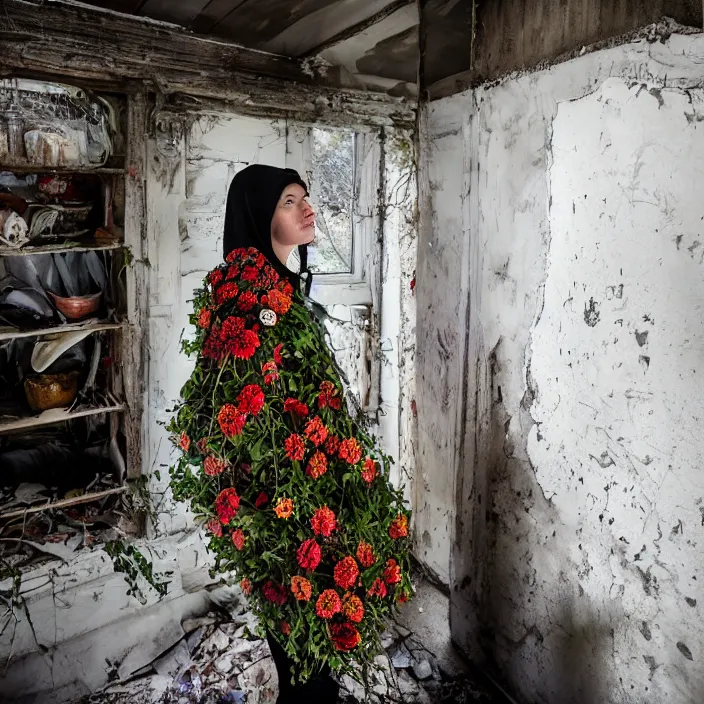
(401, 657)
(173, 661)
(423, 669)
(224, 664)
(408, 687)
(218, 641)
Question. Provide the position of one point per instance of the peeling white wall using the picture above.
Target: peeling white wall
(573, 196)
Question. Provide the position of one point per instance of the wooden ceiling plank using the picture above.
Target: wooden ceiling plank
(182, 12)
(359, 27)
(256, 22)
(213, 13)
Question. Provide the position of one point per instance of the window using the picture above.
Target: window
(341, 167)
(333, 192)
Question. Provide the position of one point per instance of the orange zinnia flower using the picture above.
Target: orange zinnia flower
(365, 554)
(352, 608)
(284, 508)
(301, 588)
(317, 466)
(328, 604)
(399, 527)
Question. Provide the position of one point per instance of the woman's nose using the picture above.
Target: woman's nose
(307, 209)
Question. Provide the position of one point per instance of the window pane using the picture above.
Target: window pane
(332, 193)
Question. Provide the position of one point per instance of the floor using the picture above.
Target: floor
(218, 662)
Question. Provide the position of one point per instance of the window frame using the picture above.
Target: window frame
(358, 286)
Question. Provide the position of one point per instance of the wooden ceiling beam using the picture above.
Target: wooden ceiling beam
(46, 38)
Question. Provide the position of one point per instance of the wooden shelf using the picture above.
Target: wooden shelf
(63, 503)
(63, 170)
(14, 334)
(55, 415)
(68, 246)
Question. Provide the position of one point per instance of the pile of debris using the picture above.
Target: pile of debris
(221, 661)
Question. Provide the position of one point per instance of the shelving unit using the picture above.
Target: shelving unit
(108, 428)
(54, 416)
(68, 246)
(14, 334)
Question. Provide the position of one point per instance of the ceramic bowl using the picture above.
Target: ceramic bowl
(77, 307)
(47, 391)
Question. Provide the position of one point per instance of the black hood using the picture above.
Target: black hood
(251, 202)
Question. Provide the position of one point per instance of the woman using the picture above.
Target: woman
(294, 490)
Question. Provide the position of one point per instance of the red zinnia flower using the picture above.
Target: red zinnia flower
(309, 554)
(317, 466)
(250, 273)
(270, 372)
(345, 636)
(284, 508)
(285, 628)
(215, 527)
(215, 277)
(316, 432)
(277, 354)
(233, 271)
(332, 445)
(352, 608)
(238, 539)
(350, 451)
(399, 527)
(226, 292)
(328, 604)
(323, 522)
(301, 588)
(231, 421)
(365, 554)
(276, 593)
(251, 399)
(328, 396)
(285, 287)
(293, 405)
(369, 470)
(226, 505)
(346, 573)
(204, 318)
(246, 586)
(213, 466)
(295, 449)
(392, 573)
(378, 589)
(279, 302)
(237, 340)
(246, 301)
(401, 598)
(261, 500)
(184, 442)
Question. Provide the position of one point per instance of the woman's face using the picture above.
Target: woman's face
(293, 223)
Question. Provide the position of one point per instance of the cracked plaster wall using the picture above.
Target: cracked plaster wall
(565, 210)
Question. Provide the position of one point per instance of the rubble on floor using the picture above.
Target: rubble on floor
(220, 661)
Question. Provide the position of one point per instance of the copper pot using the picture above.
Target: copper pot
(77, 307)
(47, 391)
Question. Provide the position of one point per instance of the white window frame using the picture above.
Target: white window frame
(359, 287)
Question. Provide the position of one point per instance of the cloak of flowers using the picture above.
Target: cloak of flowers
(295, 493)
